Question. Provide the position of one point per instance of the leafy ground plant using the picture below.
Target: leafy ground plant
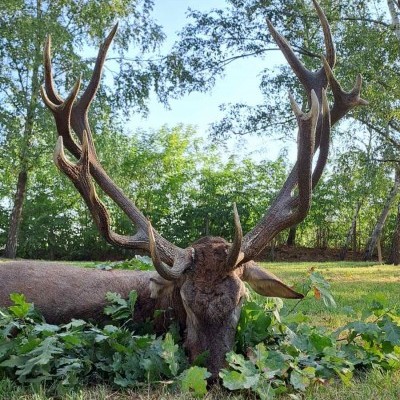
(277, 349)
(293, 354)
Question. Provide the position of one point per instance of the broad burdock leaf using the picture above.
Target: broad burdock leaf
(253, 325)
(367, 330)
(392, 332)
(238, 362)
(320, 342)
(194, 381)
(46, 328)
(299, 381)
(75, 324)
(345, 375)
(234, 380)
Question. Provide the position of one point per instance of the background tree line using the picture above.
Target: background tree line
(179, 182)
(187, 188)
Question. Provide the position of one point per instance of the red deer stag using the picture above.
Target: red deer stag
(204, 282)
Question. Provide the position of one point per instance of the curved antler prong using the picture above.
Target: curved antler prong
(235, 255)
(49, 104)
(329, 45)
(343, 101)
(69, 101)
(71, 115)
(297, 66)
(312, 113)
(59, 157)
(163, 270)
(51, 91)
(356, 91)
(94, 82)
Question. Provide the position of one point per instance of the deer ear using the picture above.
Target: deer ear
(266, 283)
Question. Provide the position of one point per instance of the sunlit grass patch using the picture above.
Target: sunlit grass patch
(352, 285)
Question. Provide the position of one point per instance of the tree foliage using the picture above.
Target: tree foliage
(75, 26)
(214, 39)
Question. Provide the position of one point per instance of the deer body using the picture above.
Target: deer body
(207, 277)
(64, 292)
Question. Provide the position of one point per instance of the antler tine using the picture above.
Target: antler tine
(329, 45)
(79, 175)
(68, 114)
(170, 274)
(62, 114)
(235, 255)
(290, 210)
(94, 82)
(343, 101)
(79, 119)
(299, 69)
(324, 140)
(51, 91)
(309, 79)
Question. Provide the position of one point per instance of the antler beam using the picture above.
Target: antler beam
(288, 208)
(73, 113)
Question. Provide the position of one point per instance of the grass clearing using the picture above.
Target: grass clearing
(352, 285)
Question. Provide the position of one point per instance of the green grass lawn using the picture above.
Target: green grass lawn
(352, 285)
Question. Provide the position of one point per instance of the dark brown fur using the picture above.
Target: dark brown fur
(63, 292)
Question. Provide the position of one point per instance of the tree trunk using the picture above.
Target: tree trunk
(379, 248)
(376, 233)
(207, 225)
(15, 219)
(32, 101)
(394, 257)
(354, 244)
(351, 234)
(394, 14)
(291, 240)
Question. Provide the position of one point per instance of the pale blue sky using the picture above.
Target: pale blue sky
(240, 83)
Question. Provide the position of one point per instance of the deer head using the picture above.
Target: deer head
(209, 274)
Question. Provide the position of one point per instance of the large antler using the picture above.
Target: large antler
(73, 113)
(293, 201)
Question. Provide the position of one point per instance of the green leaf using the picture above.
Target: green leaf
(253, 325)
(299, 381)
(345, 375)
(170, 353)
(320, 341)
(193, 380)
(234, 380)
(21, 308)
(120, 309)
(392, 332)
(322, 286)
